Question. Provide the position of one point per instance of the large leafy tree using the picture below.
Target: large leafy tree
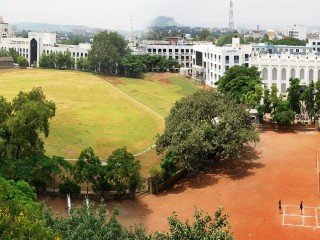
(21, 217)
(37, 170)
(107, 51)
(88, 168)
(23, 122)
(308, 97)
(85, 224)
(203, 227)
(206, 126)
(243, 84)
(283, 113)
(294, 95)
(317, 98)
(123, 171)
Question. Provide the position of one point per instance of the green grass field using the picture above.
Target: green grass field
(92, 112)
(159, 91)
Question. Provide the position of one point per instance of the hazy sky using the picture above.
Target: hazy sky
(115, 14)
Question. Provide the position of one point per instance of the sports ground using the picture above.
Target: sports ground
(283, 167)
(101, 112)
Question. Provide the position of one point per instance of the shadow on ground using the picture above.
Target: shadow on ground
(235, 169)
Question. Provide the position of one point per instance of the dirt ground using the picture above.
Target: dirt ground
(283, 167)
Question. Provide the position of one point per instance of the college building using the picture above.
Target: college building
(38, 43)
(277, 64)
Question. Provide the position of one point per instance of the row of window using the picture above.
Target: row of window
(159, 50)
(284, 74)
(73, 53)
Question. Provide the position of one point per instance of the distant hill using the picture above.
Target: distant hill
(163, 21)
(48, 27)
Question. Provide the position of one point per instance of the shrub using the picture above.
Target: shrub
(69, 187)
(156, 173)
(169, 164)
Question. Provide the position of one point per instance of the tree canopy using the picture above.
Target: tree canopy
(23, 122)
(107, 51)
(21, 217)
(294, 95)
(242, 84)
(206, 126)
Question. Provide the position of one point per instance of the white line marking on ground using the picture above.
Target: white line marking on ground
(303, 217)
(134, 100)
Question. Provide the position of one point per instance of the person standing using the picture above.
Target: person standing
(280, 207)
(301, 207)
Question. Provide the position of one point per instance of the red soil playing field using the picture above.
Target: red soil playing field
(283, 167)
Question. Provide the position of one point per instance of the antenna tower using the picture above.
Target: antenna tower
(231, 20)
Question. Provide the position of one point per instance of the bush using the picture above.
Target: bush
(169, 164)
(69, 187)
(156, 173)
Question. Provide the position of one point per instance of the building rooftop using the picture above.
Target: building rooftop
(6, 59)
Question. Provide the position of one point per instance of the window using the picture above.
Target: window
(177, 50)
(170, 50)
(149, 50)
(236, 59)
(227, 59)
(274, 74)
(283, 74)
(164, 50)
(265, 74)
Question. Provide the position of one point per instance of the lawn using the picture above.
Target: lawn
(92, 112)
(159, 91)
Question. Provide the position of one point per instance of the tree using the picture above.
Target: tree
(267, 101)
(69, 187)
(206, 126)
(224, 39)
(308, 97)
(36, 170)
(205, 35)
(294, 95)
(274, 99)
(242, 84)
(203, 227)
(14, 54)
(84, 223)
(123, 171)
(23, 122)
(289, 42)
(107, 51)
(156, 173)
(169, 164)
(21, 217)
(87, 168)
(283, 113)
(317, 99)
(83, 64)
(132, 66)
(23, 62)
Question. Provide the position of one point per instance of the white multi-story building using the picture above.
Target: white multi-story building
(175, 48)
(38, 43)
(277, 64)
(211, 62)
(5, 29)
(298, 31)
